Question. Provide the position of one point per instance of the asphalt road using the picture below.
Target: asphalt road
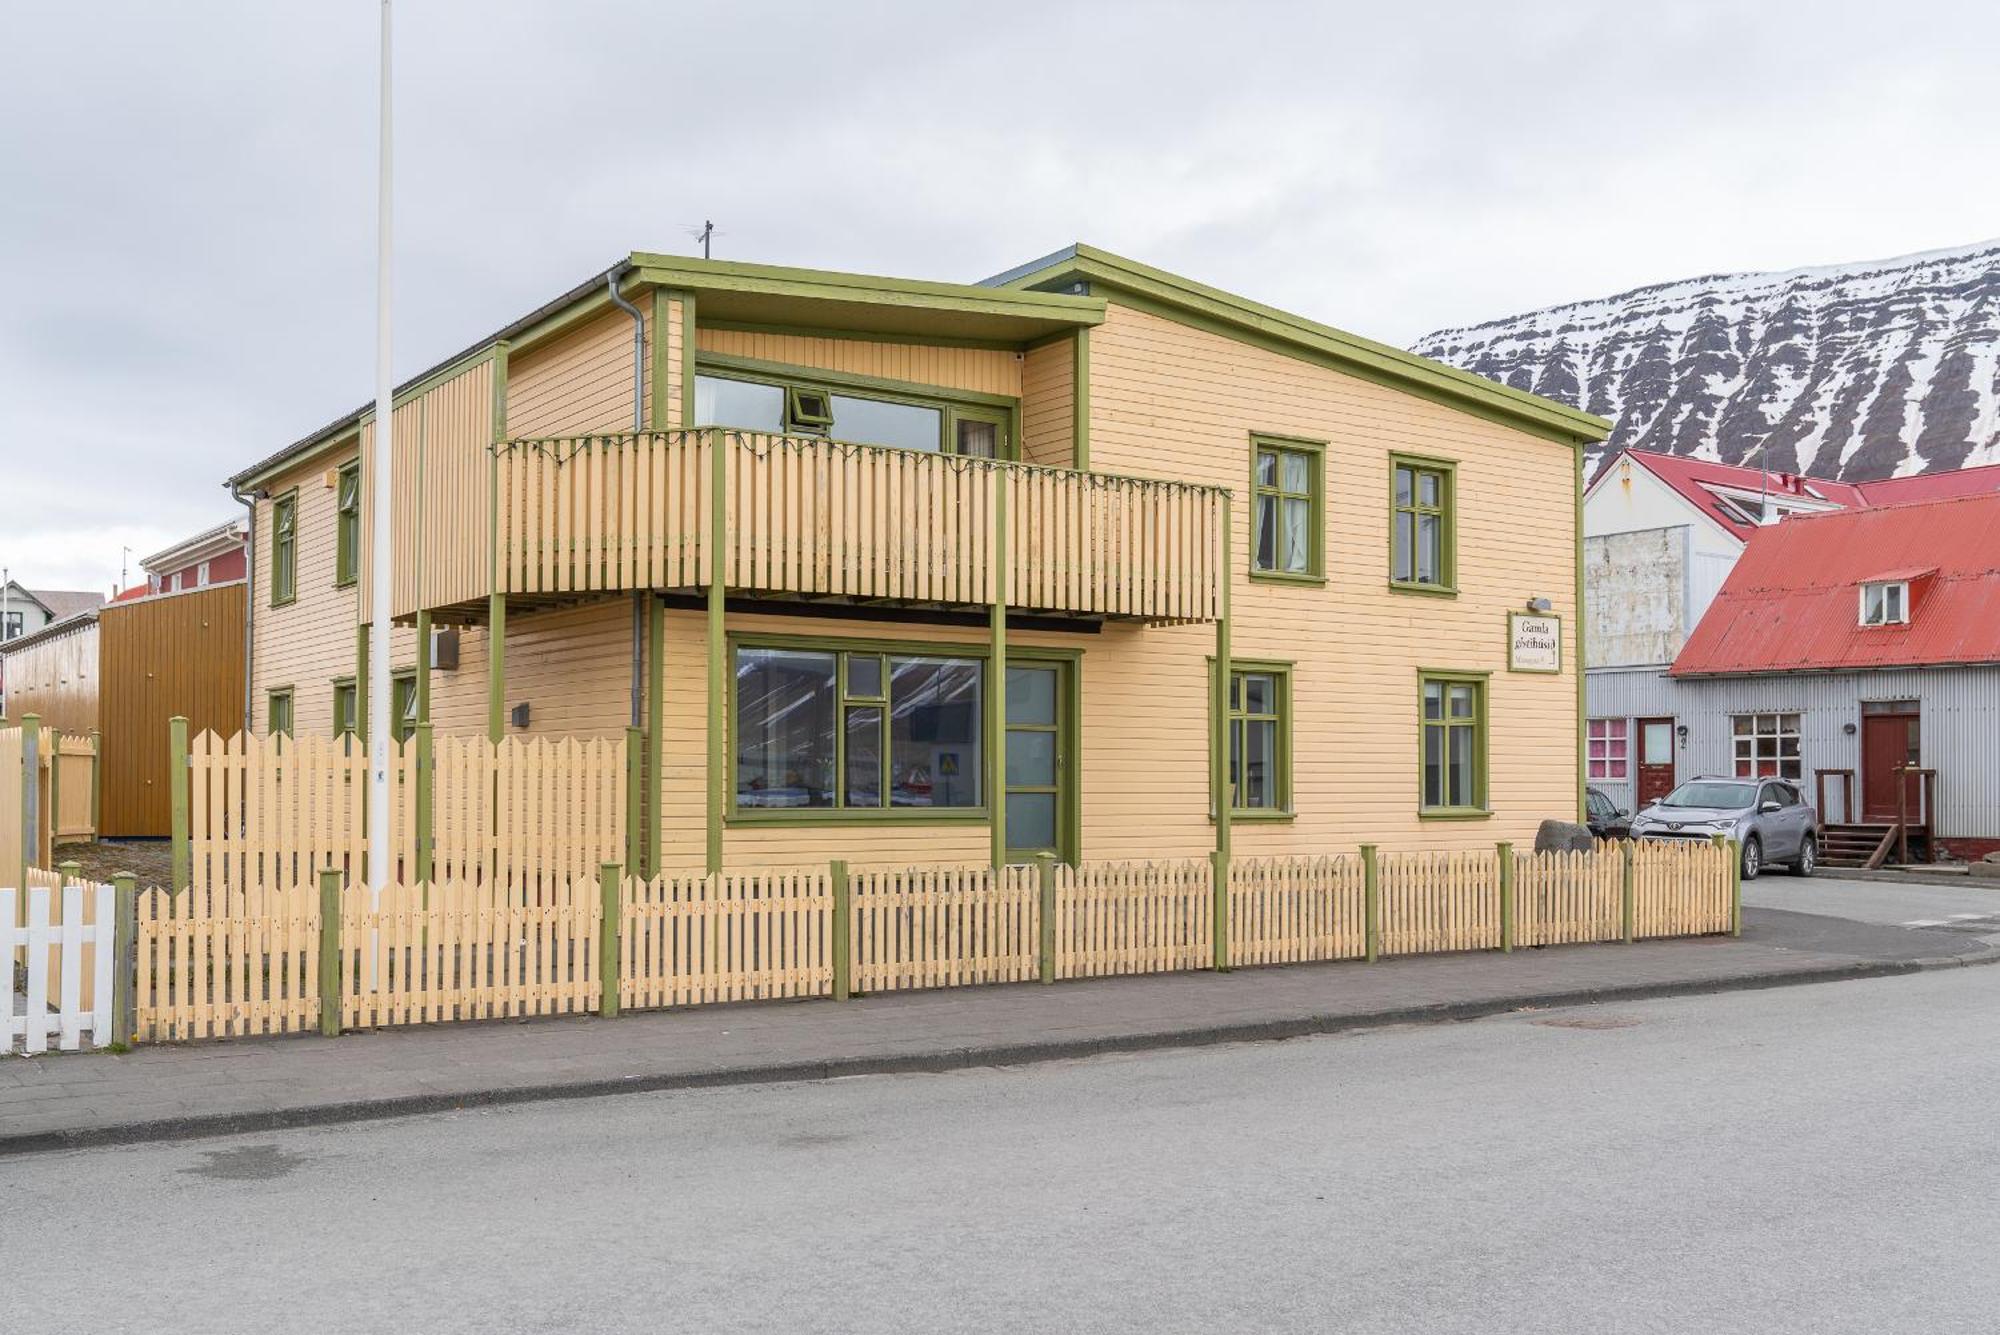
(1970, 908)
(1802, 1159)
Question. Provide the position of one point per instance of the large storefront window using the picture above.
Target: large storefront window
(859, 731)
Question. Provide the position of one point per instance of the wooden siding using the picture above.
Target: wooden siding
(580, 382)
(983, 370)
(1048, 399)
(178, 654)
(443, 469)
(306, 643)
(1171, 401)
(56, 679)
(571, 666)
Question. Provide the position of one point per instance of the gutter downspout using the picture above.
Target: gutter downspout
(249, 504)
(638, 425)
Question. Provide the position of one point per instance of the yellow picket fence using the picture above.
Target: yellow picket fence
(526, 812)
(693, 939)
(60, 805)
(225, 961)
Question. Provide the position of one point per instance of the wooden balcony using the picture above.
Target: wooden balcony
(807, 517)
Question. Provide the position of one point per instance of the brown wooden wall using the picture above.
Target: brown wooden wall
(56, 679)
(179, 654)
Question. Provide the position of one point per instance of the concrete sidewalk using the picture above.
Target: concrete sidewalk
(224, 1087)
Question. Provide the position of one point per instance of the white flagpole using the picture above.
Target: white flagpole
(381, 727)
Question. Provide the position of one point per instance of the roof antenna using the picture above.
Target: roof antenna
(707, 231)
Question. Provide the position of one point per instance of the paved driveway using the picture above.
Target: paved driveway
(1972, 909)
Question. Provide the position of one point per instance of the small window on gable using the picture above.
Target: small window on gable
(1885, 603)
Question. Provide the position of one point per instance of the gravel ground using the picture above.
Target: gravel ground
(151, 860)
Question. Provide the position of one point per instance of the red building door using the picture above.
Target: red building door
(1656, 760)
(1890, 739)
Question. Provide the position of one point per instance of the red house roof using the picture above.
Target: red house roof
(1694, 478)
(1793, 602)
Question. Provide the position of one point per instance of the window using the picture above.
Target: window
(1885, 604)
(403, 704)
(347, 524)
(1287, 489)
(284, 548)
(854, 417)
(13, 626)
(1609, 738)
(346, 709)
(278, 713)
(858, 730)
(201, 575)
(1421, 557)
(1454, 743)
(1765, 745)
(1260, 741)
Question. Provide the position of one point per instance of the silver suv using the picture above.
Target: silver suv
(1768, 817)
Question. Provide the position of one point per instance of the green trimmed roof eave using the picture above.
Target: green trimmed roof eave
(1299, 336)
(780, 296)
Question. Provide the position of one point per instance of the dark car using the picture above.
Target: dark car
(1769, 817)
(1606, 819)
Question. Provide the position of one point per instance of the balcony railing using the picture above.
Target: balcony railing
(808, 516)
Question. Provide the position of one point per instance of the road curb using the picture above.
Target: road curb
(199, 1126)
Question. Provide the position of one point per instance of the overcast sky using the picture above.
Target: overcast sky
(187, 206)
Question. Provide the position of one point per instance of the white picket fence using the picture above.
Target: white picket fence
(70, 957)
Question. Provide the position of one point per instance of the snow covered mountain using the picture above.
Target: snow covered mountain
(1851, 371)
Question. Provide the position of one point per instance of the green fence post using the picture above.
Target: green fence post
(329, 952)
(177, 788)
(1219, 863)
(635, 792)
(1371, 903)
(1734, 852)
(426, 802)
(31, 795)
(610, 890)
(843, 927)
(1045, 871)
(1506, 851)
(124, 956)
(1627, 897)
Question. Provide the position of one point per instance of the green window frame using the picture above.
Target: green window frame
(864, 709)
(1452, 728)
(347, 524)
(1423, 525)
(403, 703)
(346, 707)
(285, 548)
(1287, 493)
(278, 711)
(1260, 721)
(970, 423)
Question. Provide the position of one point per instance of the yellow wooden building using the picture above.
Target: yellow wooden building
(914, 572)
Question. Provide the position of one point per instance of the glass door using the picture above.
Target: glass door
(1038, 770)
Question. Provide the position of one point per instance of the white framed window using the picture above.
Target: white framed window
(1610, 741)
(1885, 603)
(1766, 746)
(201, 575)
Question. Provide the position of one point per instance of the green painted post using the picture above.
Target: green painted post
(426, 802)
(996, 695)
(1506, 851)
(124, 955)
(635, 791)
(1045, 871)
(329, 952)
(1219, 863)
(843, 929)
(1627, 895)
(31, 792)
(496, 666)
(715, 545)
(1371, 903)
(610, 891)
(656, 691)
(177, 788)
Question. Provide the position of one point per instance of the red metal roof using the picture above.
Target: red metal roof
(1692, 478)
(1793, 601)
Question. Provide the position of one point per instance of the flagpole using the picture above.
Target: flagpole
(381, 727)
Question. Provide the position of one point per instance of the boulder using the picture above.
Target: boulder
(1561, 836)
(1992, 857)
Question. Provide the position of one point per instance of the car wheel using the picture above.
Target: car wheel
(1808, 861)
(1753, 858)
